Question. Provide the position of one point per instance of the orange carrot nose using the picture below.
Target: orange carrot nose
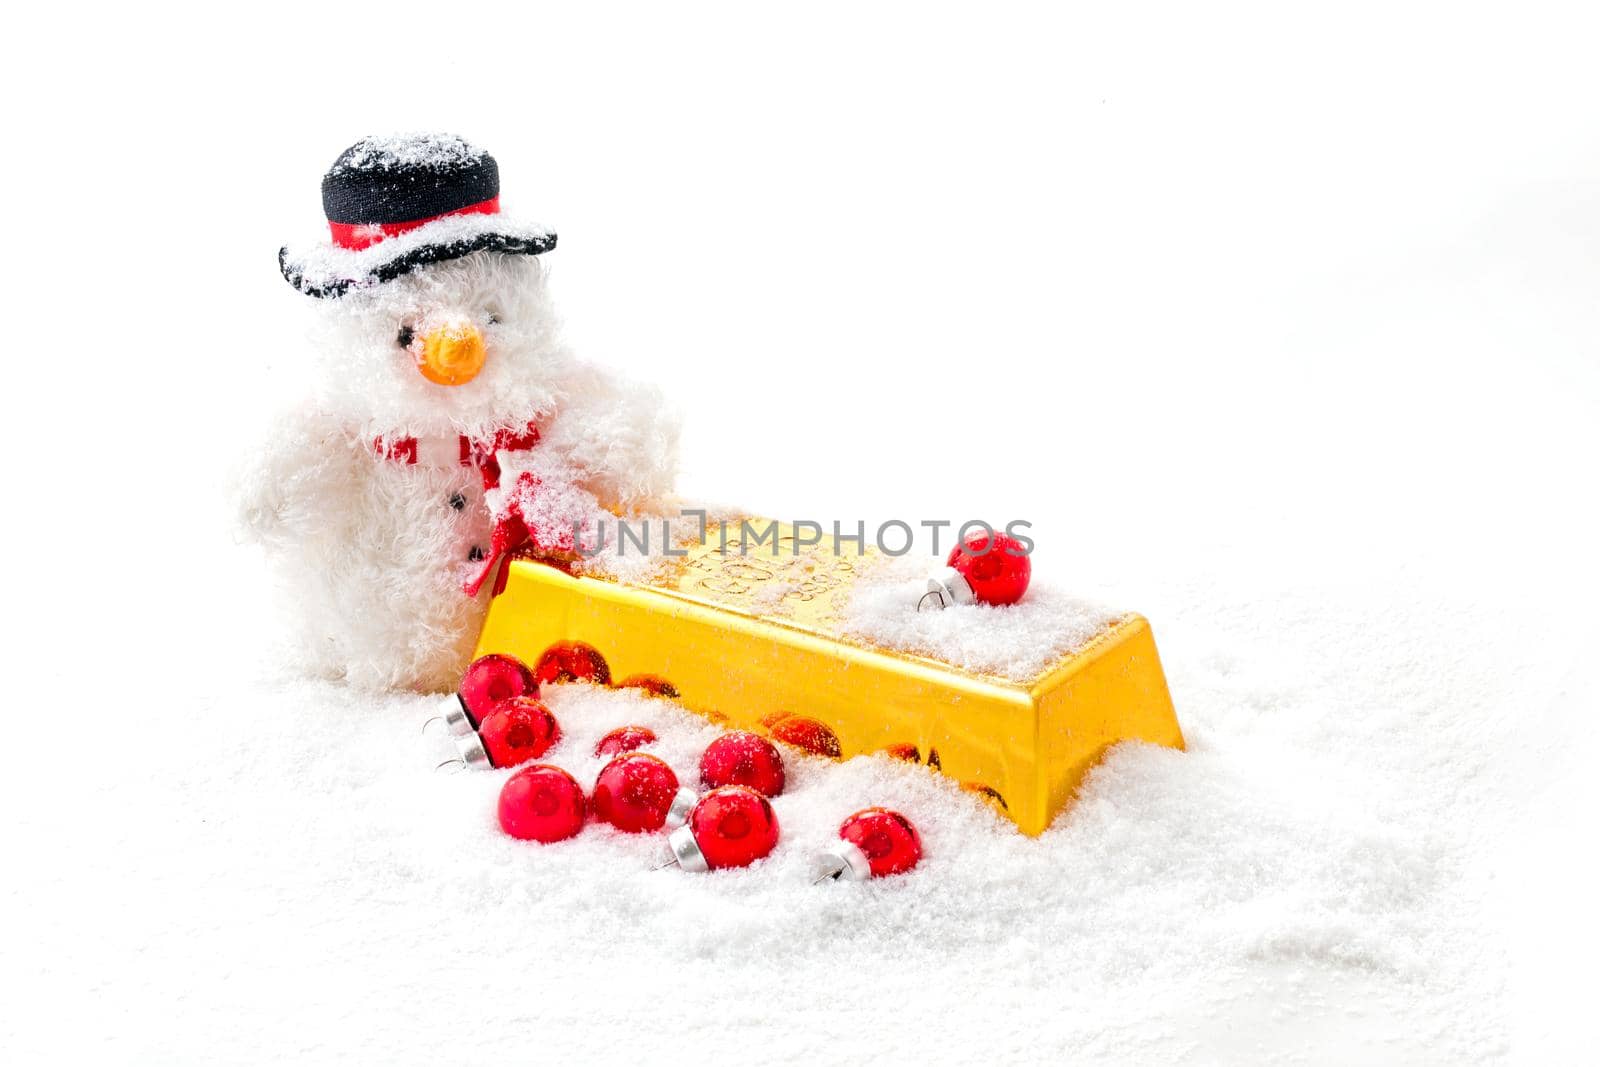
(453, 354)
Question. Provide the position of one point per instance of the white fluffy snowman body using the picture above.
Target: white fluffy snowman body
(370, 500)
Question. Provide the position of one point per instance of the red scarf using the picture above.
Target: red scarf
(510, 532)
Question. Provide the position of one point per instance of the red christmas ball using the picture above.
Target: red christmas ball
(994, 565)
(989, 793)
(541, 803)
(653, 684)
(887, 839)
(518, 730)
(572, 661)
(742, 758)
(490, 680)
(624, 739)
(733, 827)
(634, 792)
(809, 735)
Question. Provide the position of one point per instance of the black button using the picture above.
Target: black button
(458, 501)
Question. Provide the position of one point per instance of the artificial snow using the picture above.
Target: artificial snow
(312, 888)
(1017, 642)
(540, 487)
(392, 151)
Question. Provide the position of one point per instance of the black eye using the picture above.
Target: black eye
(494, 320)
(405, 337)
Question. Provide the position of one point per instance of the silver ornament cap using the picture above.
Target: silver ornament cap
(473, 754)
(844, 860)
(682, 804)
(947, 586)
(686, 851)
(454, 714)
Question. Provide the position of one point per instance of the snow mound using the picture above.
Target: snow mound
(1017, 642)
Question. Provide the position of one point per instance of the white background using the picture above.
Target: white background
(1278, 324)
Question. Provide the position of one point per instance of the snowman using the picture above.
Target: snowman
(448, 426)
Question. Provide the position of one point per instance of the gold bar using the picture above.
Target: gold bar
(753, 640)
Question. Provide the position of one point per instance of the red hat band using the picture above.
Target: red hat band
(358, 235)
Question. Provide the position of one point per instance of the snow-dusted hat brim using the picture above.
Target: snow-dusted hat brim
(326, 270)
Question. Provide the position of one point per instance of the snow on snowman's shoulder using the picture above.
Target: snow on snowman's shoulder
(1018, 642)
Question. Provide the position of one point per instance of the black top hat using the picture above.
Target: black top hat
(397, 203)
